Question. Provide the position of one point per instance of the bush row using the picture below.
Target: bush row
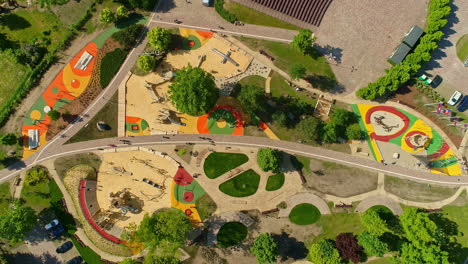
(110, 65)
(400, 74)
(226, 15)
(429, 91)
(34, 76)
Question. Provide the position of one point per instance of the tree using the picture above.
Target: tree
(354, 131)
(146, 63)
(426, 255)
(280, 118)
(348, 247)
(330, 132)
(372, 244)
(128, 36)
(152, 259)
(106, 16)
(311, 128)
(418, 228)
(169, 226)
(9, 139)
(54, 114)
(342, 117)
(35, 176)
(297, 71)
(252, 98)
(121, 13)
(372, 222)
(3, 260)
(193, 91)
(269, 159)
(265, 248)
(159, 38)
(16, 222)
(324, 252)
(303, 41)
(129, 261)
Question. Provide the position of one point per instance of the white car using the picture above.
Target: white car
(456, 96)
(51, 225)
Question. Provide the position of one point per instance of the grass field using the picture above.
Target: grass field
(13, 73)
(415, 191)
(304, 214)
(63, 164)
(275, 182)
(108, 114)
(251, 16)
(318, 71)
(4, 197)
(334, 224)
(279, 87)
(462, 48)
(305, 161)
(218, 163)
(459, 214)
(37, 196)
(243, 185)
(231, 234)
(205, 206)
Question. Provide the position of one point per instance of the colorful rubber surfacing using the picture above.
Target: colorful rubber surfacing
(70, 83)
(185, 191)
(222, 119)
(135, 126)
(396, 126)
(194, 39)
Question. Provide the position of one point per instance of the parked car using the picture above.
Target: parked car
(64, 247)
(51, 225)
(456, 96)
(463, 105)
(75, 260)
(436, 81)
(56, 231)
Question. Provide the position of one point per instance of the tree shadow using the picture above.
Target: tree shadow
(166, 6)
(290, 247)
(132, 19)
(14, 22)
(336, 53)
(29, 258)
(323, 83)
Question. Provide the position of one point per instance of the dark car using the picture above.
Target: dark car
(463, 105)
(56, 231)
(266, 55)
(75, 260)
(436, 81)
(64, 247)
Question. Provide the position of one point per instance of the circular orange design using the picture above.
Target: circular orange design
(35, 114)
(75, 83)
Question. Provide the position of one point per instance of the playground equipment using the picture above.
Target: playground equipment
(226, 57)
(120, 200)
(121, 170)
(419, 141)
(201, 59)
(153, 184)
(166, 115)
(387, 128)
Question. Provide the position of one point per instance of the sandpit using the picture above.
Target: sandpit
(386, 123)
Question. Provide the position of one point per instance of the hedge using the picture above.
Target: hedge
(110, 65)
(35, 75)
(400, 74)
(226, 15)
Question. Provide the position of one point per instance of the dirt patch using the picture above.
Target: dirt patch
(411, 97)
(71, 110)
(63, 164)
(339, 180)
(418, 192)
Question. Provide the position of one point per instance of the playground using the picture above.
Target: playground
(397, 137)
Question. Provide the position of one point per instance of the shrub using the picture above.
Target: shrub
(269, 159)
(226, 15)
(121, 13)
(9, 139)
(354, 132)
(146, 63)
(265, 248)
(348, 247)
(129, 35)
(324, 252)
(159, 38)
(372, 244)
(181, 152)
(106, 16)
(54, 115)
(35, 176)
(110, 65)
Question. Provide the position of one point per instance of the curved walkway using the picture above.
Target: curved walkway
(305, 198)
(380, 200)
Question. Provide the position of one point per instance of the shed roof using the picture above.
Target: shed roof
(399, 54)
(413, 36)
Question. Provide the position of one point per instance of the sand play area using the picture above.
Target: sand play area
(127, 169)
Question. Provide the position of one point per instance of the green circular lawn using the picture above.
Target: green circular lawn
(231, 234)
(304, 214)
(275, 182)
(462, 48)
(243, 185)
(380, 209)
(218, 163)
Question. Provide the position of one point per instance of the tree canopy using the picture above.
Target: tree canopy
(372, 244)
(311, 127)
(121, 13)
(54, 114)
(324, 252)
(297, 71)
(193, 91)
(373, 223)
(252, 99)
(159, 38)
(354, 131)
(426, 255)
(265, 248)
(106, 16)
(35, 176)
(418, 228)
(128, 36)
(146, 63)
(167, 226)
(303, 41)
(347, 246)
(16, 222)
(129, 261)
(152, 259)
(269, 159)
(9, 139)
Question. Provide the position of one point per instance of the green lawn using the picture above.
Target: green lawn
(37, 196)
(4, 197)
(13, 73)
(279, 87)
(318, 71)
(110, 65)
(459, 214)
(243, 185)
(251, 16)
(304, 214)
(108, 114)
(305, 161)
(334, 224)
(218, 163)
(275, 182)
(381, 261)
(462, 48)
(205, 206)
(231, 234)
(255, 80)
